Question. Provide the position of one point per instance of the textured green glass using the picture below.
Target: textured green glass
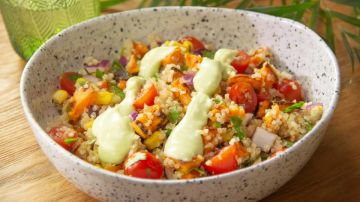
(30, 23)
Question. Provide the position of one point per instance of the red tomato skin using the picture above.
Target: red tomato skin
(66, 83)
(241, 62)
(243, 93)
(223, 162)
(150, 167)
(262, 96)
(285, 87)
(197, 45)
(58, 134)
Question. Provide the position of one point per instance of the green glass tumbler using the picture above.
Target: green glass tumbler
(30, 23)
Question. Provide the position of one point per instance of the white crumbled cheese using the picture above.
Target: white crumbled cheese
(234, 140)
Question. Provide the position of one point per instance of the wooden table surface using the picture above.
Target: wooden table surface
(332, 174)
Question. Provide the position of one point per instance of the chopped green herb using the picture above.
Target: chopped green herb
(264, 156)
(74, 77)
(116, 66)
(217, 101)
(248, 162)
(217, 124)
(236, 121)
(208, 54)
(199, 170)
(174, 115)
(122, 50)
(297, 105)
(70, 140)
(185, 68)
(287, 143)
(99, 74)
(118, 91)
(168, 132)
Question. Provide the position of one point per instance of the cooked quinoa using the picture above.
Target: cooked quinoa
(253, 113)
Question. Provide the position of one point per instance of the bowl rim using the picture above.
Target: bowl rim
(71, 157)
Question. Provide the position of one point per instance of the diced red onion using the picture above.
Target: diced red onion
(91, 78)
(133, 115)
(188, 78)
(264, 139)
(104, 63)
(123, 61)
(103, 66)
(198, 51)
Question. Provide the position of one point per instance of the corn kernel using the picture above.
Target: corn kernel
(155, 140)
(60, 96)
(103, 98)
(81, 81)
(187, 45)
(88, 124)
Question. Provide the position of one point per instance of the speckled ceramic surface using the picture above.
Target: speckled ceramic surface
(295, 47)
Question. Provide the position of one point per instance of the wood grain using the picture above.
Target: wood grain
(332, 174)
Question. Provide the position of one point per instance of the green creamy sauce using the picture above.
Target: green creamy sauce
(112, 128)
(225, 57)
(185, 140)
(150, 63)
(208, 78)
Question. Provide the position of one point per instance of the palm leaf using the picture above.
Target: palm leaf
(281, 10)
(354, 37)
(346, 18)
(243, 4)
(108, 3)
(357, 53)
(155, 3)
(182, 2)
(315, 16)
(348, 49)
(353, 3)
(329, 32)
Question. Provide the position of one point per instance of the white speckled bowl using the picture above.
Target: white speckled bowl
(295, 47)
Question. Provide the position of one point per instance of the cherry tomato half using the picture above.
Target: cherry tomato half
(291, 90)
(147, 97)
(241, 62)
(225, 161)
(64, 136)
(197, 45)
(143, 165)
(243, 93)
(68, 80)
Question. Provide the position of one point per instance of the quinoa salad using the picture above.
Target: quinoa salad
(180, 109)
